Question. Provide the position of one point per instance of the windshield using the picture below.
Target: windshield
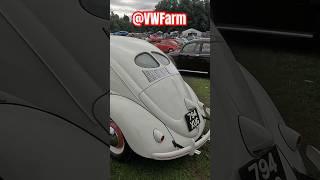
(97, 8)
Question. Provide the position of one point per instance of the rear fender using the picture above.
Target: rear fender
(137, 126)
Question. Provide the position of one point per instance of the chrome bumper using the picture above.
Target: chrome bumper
(184, 151)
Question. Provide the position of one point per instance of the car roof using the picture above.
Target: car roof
(122, 60)
(128, 46)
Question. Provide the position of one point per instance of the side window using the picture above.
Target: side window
(146, 61)
(205, 48)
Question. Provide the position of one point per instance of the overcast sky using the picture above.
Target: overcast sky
(127, 7)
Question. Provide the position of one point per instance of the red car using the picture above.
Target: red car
(167, 45)
(154, 38)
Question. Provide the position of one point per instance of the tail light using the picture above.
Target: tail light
(158, 136)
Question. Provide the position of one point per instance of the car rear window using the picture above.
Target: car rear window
(97, 8)
(146, 61)
(161, 58)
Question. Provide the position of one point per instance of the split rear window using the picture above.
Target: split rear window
(161, 58)
(145, 60)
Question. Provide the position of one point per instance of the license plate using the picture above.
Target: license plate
(192, 119)
(267, 167)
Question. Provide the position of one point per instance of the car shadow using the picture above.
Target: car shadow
(187, 166)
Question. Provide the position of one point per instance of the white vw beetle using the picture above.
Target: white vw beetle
(153, 111)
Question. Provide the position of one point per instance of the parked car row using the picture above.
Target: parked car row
(190, 54)
(121, 33)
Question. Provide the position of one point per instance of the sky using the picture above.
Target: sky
(127, 7)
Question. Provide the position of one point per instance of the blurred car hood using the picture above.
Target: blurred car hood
(57, 51)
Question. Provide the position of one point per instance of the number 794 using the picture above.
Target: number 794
(264, 168)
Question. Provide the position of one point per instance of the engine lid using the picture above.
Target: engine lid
(170, 100)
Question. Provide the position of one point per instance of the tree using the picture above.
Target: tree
(126, 18)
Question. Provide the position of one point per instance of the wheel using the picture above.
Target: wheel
(119, 148)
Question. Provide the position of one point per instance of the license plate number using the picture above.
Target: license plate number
(267, 167)
(192, 119)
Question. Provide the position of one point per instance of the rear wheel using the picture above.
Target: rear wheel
(119, 148)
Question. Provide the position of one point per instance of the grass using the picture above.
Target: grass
(290, 73)
(190, 167)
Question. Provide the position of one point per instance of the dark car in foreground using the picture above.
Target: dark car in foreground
(194, 56)
(53, 97)
(251, 139)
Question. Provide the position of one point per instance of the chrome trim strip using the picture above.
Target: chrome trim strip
(264, 31)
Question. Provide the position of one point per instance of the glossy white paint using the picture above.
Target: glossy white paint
(139, 105)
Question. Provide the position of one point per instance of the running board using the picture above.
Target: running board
(264, 31)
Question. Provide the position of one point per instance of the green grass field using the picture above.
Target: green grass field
(190, 167)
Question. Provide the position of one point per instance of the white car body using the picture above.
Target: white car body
(141, 103)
